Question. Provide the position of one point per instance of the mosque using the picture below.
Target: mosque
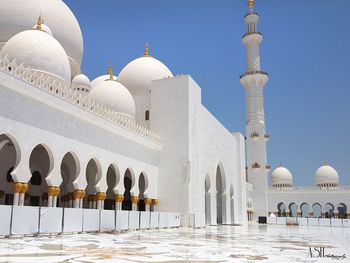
(140, 140)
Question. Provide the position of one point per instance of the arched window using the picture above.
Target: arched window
(9, 176)
(147, 115)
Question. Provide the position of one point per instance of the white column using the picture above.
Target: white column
(16, 199)
(21, 199)
(50, 201)
(54, 201)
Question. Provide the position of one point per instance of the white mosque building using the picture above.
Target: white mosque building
(138, 141)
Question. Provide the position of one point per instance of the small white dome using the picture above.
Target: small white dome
(19, 15)
(100, 79)
(282, 177)
(114, 96)
(138, 75)
(326, 176)
(81, 83)
(41, 52)
(44, 28)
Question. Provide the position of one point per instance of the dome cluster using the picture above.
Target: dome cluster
(54, 49)
(325, 177)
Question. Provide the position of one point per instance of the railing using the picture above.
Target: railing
(253, 73)
(251, 33)
(251, 13)
(63, 92)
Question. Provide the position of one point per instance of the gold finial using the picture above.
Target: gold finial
(39, 23)
(250, 3)
(110, 72)
(146, 50)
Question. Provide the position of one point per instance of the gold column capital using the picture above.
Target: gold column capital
(51, 190)
(101, 196)
(134, 199)
(148, 201)
(17, 187)
(154, 201)
(24, 188)
(119, 198)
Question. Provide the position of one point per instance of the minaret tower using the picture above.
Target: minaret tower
(254, 81)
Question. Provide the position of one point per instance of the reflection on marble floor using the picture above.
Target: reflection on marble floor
(251, 243)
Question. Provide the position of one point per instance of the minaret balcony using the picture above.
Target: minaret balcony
(256, 166)
(267, 167)
(255, 72)
(266, 137)
(254, 78)
(254, 136)
(252, 33)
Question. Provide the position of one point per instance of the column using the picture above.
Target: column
(81, 201)
(54, 199)
(323, 215)
(118, 201)
(76, 198)
(335, 215)
(51, 191)
(90, 201)
(148, 202)
(94, 201)
(70, 200)
(16, 186)
(154, 205)
(24, 189)
(134, 201)
(101, 196)
(299, 213)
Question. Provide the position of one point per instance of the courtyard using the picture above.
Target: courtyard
(252, 243)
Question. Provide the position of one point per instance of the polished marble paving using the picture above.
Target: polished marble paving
(252, 243)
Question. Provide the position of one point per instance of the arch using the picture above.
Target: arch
(129, 182)
(93, 176)
(220, 196)
(40, 164)
(113, 178)
(317, 210)
(207, 199)
(305, 210)
(342, 211)
(293, 209)
(281, 207)
(70, 169)
(329, 210)
(9, 159)
(143, 185)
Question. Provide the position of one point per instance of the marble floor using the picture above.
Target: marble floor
(252, 243)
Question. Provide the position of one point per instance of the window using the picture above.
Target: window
(147, 115)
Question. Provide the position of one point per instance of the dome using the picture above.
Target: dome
(44, 28)
(114, 96)
(81, 83)
(137, 76)
(326, 176)
(18, 15)
(41, 52)
(100, 79)
(282, 177)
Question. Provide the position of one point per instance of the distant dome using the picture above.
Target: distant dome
(326, 176)
(115, 96)
(100, 79)
(81, 83)
(138, 75)
(282, 177)
(19, 15)
(41, 52)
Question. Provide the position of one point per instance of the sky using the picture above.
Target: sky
(305, 50)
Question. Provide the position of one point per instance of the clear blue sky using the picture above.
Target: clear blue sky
(306, 51)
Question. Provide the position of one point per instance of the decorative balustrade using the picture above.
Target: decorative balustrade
(253, 73)
(57, 89)
(251, 33)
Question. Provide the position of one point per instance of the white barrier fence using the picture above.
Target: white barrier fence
(29, 220)
(303, 221)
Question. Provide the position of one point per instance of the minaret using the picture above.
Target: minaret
(254, 81)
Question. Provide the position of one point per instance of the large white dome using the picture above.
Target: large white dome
(19, 15)
(115, 96)
(326, 176)
(282, 177)
(138, 75)
(41, 52)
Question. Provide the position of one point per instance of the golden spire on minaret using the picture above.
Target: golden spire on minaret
(39, 23)
(146, 54)
(110, 72)
(250, 4)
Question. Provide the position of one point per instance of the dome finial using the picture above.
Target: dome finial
(250, 4)
(39, 23)
(110, 72)
(146, 54)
